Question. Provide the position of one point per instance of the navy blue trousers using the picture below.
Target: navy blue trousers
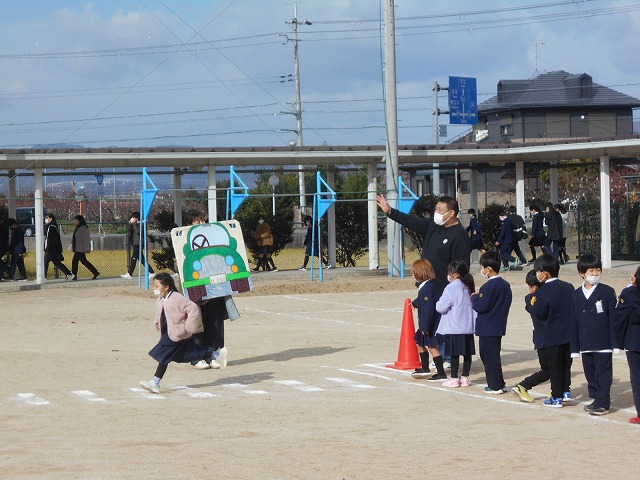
(633, 358)
(598, 370)
(490, 355)
(559, 362)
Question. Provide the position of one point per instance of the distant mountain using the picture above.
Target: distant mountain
(57, 146)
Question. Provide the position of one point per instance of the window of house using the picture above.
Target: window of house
(506, 129)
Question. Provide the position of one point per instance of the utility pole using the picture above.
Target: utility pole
(298, 113)
(436, 112)
(394, 245)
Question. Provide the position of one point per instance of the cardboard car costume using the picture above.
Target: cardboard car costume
(212, 260)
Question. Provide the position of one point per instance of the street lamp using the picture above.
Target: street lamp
(273, 181)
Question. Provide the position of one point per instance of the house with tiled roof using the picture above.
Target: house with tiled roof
(552, 107)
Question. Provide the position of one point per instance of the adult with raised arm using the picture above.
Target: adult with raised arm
(445, 239)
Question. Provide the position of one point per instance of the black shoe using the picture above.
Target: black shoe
(588, 408)
(22, 279)
(598, 411)
(437, 378)
(255, 269)
(95, 275)
(421, 373)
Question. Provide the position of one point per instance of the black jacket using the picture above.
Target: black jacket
(52, 240)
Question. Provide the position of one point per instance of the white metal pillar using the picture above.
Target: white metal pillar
(177, 197)
(520, 200)
(38, 198)
(473, 189)
(372, 216)
(331, 222)
(212, 193)
(605, 213)
(553, 183)
(473, 203)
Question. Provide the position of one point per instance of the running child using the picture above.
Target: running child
(428, 320)
(627, 330)
(492, 304)
(177, 319)
(457, 322)
(594, 305)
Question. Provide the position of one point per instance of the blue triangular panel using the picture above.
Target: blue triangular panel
(238, 193)
(325, 198)
(405, 204)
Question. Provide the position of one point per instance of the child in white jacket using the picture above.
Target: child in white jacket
(457, 322)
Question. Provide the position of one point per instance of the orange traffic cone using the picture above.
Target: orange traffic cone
(408, 357)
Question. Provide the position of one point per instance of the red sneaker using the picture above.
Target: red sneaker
(635, 420)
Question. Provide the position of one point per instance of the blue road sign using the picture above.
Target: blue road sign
(463, 101)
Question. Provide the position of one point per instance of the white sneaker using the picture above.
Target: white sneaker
(202, 365)
(126, 276)
(150, 386)
(222, 358)
(70, 277)
(214, 363)
(447, 366)
(303, 269)
(327, 267)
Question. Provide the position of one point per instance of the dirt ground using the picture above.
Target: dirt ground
(306, 394)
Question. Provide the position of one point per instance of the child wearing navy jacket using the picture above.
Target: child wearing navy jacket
(627, 331)
(492, 304)
(428, 320)
(521, 390)
(592, 334)
(551, 305)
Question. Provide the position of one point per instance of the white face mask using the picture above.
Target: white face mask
(541, 280)
(484, 275)
(592, 279)
(132, 220)
(261, 221)
(438, 218)
(156, 293)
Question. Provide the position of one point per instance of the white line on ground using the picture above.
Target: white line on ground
(192, 392)
(32, 399)
(143, 393)
(350, 383)
(298, 385)
(568, 410)
(88, 395)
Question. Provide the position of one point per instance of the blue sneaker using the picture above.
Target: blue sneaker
(553, 402)
(567, 398)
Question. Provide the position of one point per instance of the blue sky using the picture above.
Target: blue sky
(207, 73)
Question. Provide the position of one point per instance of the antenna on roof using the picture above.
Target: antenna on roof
(536, 73)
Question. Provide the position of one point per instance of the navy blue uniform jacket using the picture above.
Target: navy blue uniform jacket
(538, 326)
(591, 330)
(537, 227)
(441, 245)
(551, 306)
(492, 304)
(506, 232)
(16, 244)
(428, 317)
(627, 320)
